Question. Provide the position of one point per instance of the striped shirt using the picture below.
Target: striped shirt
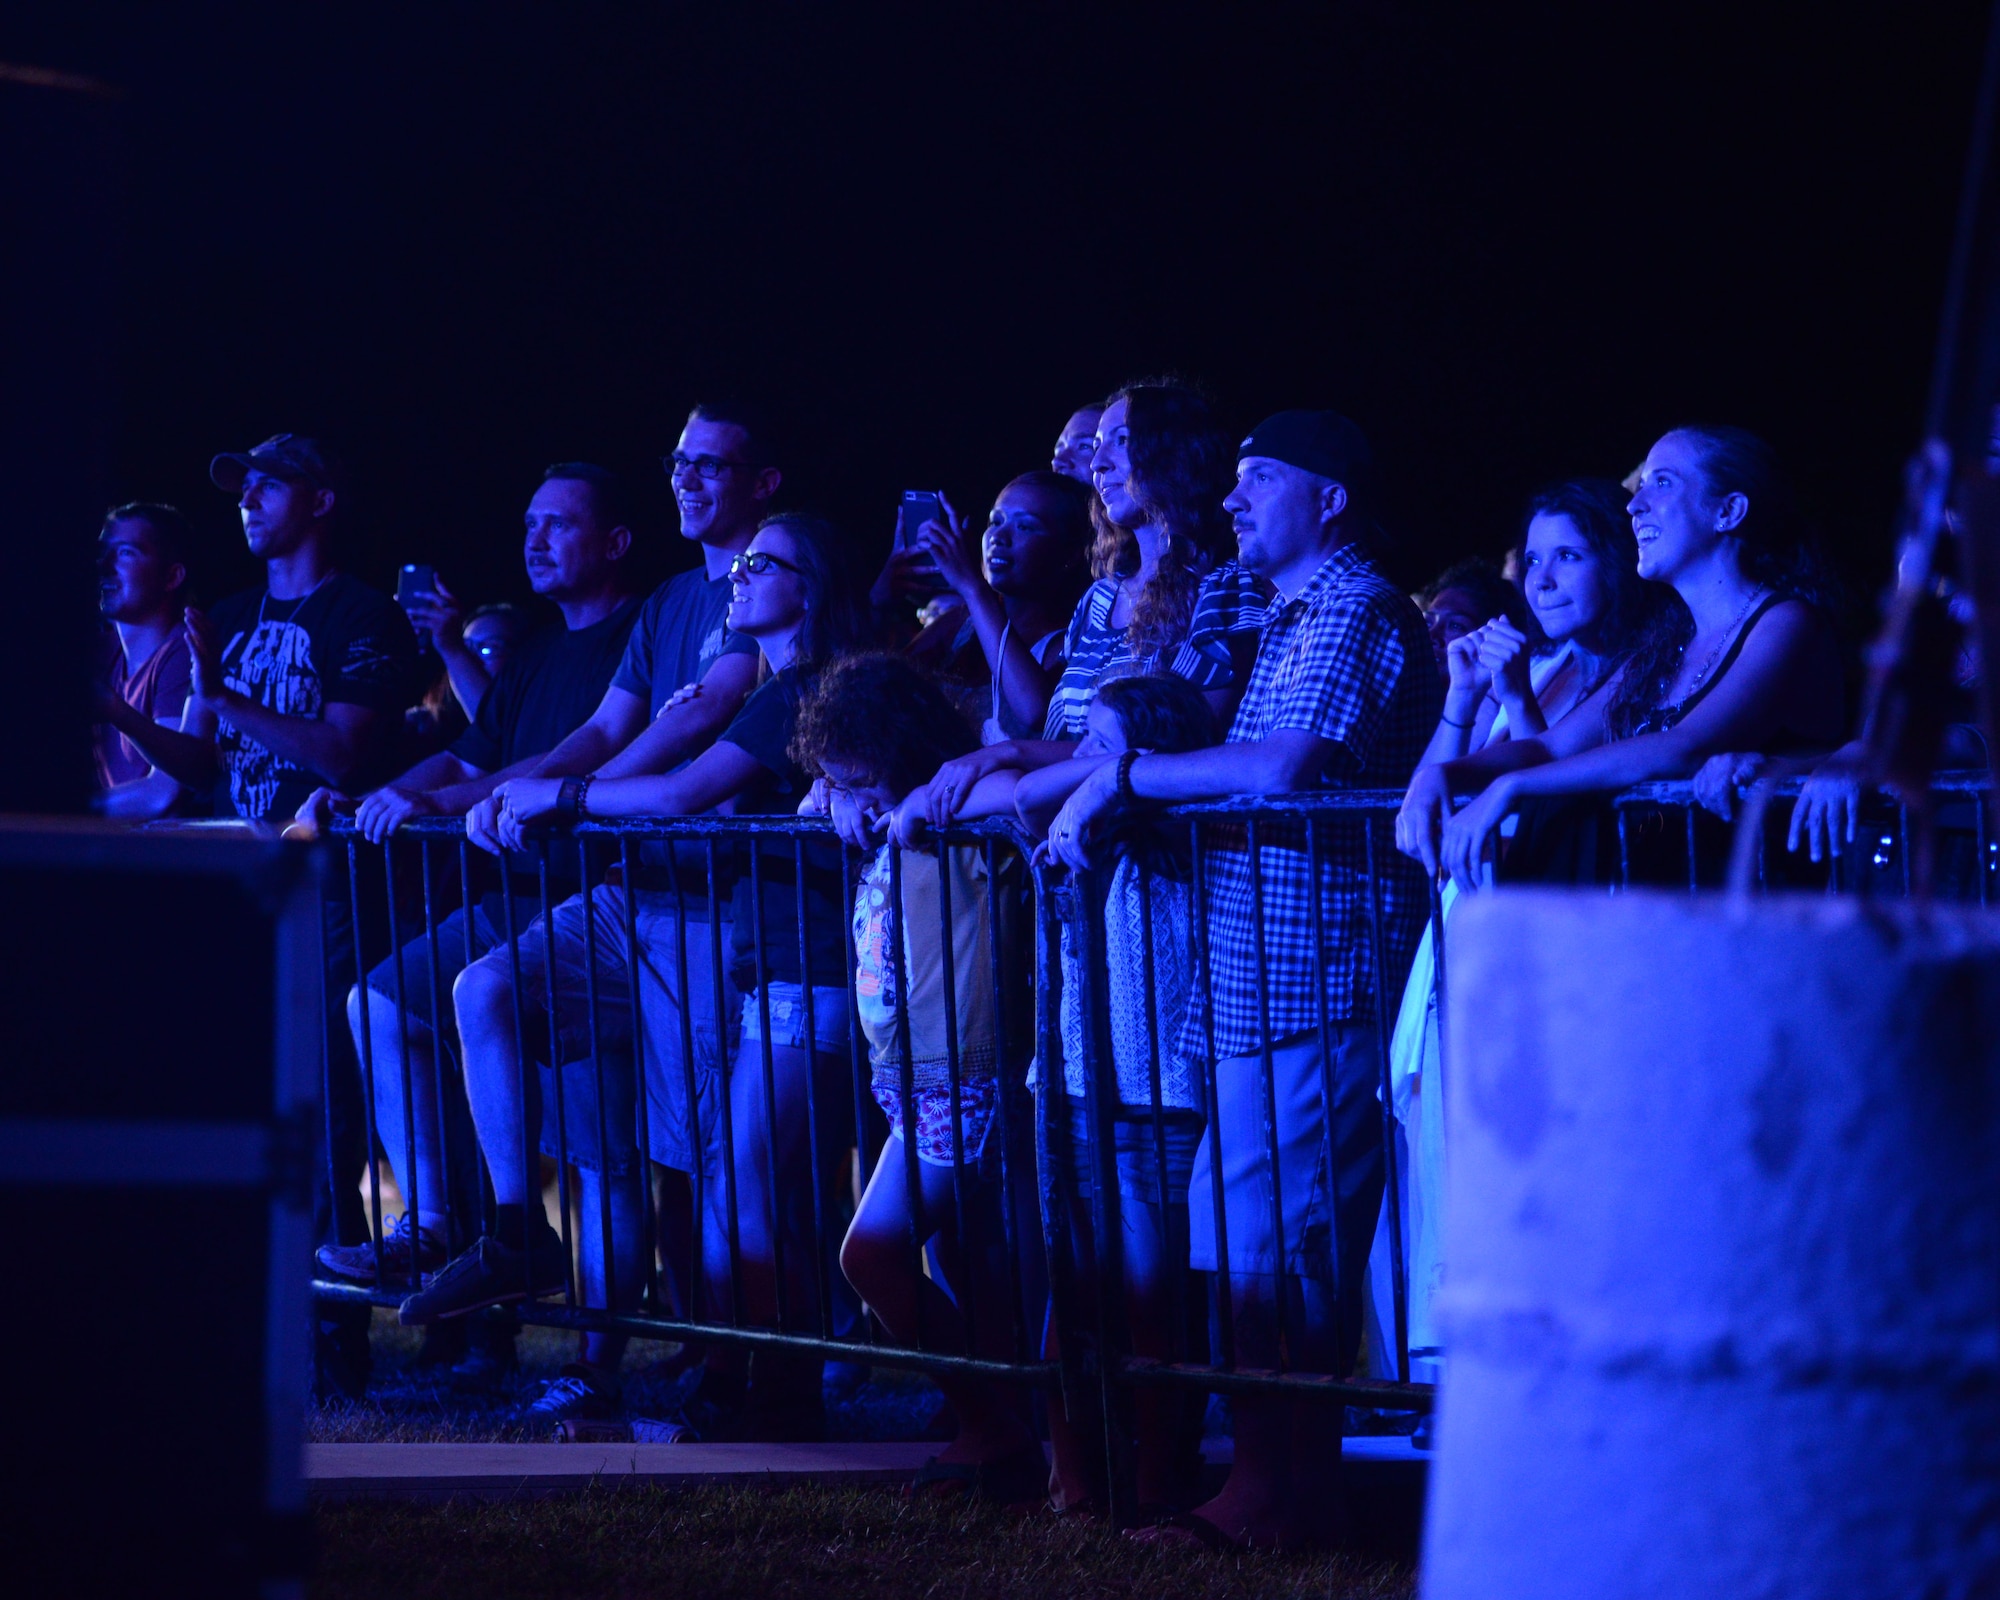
(1228, 607)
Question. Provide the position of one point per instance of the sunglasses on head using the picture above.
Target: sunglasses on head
(758, 562)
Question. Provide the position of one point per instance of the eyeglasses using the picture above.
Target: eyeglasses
(487, 649)
(706, 468)
(755, 563)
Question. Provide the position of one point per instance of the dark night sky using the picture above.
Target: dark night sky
(1514, 243)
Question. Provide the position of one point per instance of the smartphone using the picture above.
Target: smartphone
(919, 506)
(413, 580)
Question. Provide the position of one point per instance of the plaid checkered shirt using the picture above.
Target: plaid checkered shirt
(1346, 659)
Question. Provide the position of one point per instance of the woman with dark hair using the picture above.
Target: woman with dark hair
(789, 593)
(1167, 596)
(1580, 611)
(1747, 660)
(1579, 565)
(1019, 580)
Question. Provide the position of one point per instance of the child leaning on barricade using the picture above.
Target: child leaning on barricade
(875, 729)
(1148, 900)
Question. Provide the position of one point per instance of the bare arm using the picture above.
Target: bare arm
(142, 799)
(1284, 762)
(1039, 795)
(619, 718)
(719, 773)
(683, 728)
(185, 753)
(1745, 710)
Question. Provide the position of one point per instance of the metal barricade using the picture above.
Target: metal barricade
(1066, 977)
(434, 904)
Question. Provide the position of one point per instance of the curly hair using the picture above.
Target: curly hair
(885, 717)
(1183, 464)
(1777, 551)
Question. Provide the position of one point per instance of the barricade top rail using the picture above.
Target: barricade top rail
(1004, 829)
(1315, 802)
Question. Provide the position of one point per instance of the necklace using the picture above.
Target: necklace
(297, 605)
(1728, 633)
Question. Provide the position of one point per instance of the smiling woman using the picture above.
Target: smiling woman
(1748, 661)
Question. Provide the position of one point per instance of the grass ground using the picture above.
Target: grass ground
(844, 1543)
(837, 1543)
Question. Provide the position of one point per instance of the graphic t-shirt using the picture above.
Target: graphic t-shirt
(343, 644)
(763, 729)
(157, 691)
(551, 684)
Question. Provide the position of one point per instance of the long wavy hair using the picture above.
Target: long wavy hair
(1183, 464)
(1778, 551)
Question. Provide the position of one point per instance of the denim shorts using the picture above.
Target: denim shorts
(1137, 1152)
(594, 925)
(787, 1005)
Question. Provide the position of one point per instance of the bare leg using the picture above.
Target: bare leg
(876, 1258)
(484, 999)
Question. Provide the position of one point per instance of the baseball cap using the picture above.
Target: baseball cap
(283, 455)
(1323, 442)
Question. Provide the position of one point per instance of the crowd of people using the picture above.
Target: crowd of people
(1166, 613)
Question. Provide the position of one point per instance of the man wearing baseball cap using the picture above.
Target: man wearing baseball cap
(300, 682)
(1344, 695)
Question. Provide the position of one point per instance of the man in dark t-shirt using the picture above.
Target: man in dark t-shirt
(683, 679)
(303, 681)
(576, 548)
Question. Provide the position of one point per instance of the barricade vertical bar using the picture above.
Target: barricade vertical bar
(776, 1241)
(1114, 1345)
(822, 1290)
(1624, 846)
(555, 1070)
(530, 1171)
(487, 1221)
(609, 1248)
(906, 1082)
(1329, 1103)
(1268, 1072)
(1399, 1290)
(367, 1059)
(641, 1110)
(963, 1293)
(1438, 983)
(858, 1064)
(1222, 1297)
(1694, 874)
(1905, 846)
(1150, 994)
(1055, 1190)
(1980, 849)
(1010, 1221)
(452, 1222)
(412, 1208)
(696, 1183)
(734, 1229)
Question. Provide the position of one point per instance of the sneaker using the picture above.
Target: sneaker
(579, 1393)
(356, 1262)
(490, 1274)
